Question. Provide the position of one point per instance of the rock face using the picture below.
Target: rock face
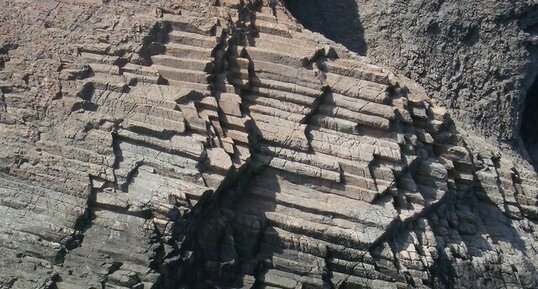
(220, 144)
(478, 58)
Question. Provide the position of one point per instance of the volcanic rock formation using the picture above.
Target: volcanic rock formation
(220, 144)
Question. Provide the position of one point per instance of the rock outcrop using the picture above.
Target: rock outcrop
(220, 144)
(477, 58)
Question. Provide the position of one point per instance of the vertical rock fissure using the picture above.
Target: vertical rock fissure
(529, 119)
(3, 104)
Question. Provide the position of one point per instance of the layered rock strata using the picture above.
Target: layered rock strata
(477, 58)
(222, 145)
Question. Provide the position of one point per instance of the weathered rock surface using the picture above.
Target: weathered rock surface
(218, 144)
(478, 58)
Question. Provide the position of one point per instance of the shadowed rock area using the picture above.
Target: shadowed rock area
(222, 144)
(529, 129)
(336, 20)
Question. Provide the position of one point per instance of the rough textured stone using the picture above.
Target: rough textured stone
(220, 144)
(478, 58)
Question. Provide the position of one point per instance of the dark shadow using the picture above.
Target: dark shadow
(529, 127)
(336, 20)
(4, 53)
(153, 43)
(529, 21)
(468, 220)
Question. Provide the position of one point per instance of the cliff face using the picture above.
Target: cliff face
(219, 144)
(478, 58)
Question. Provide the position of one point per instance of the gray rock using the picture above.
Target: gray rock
(221, 144)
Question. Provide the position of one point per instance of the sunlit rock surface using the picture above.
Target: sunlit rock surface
(218, 144)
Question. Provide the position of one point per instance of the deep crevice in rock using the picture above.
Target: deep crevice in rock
(529, 127)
